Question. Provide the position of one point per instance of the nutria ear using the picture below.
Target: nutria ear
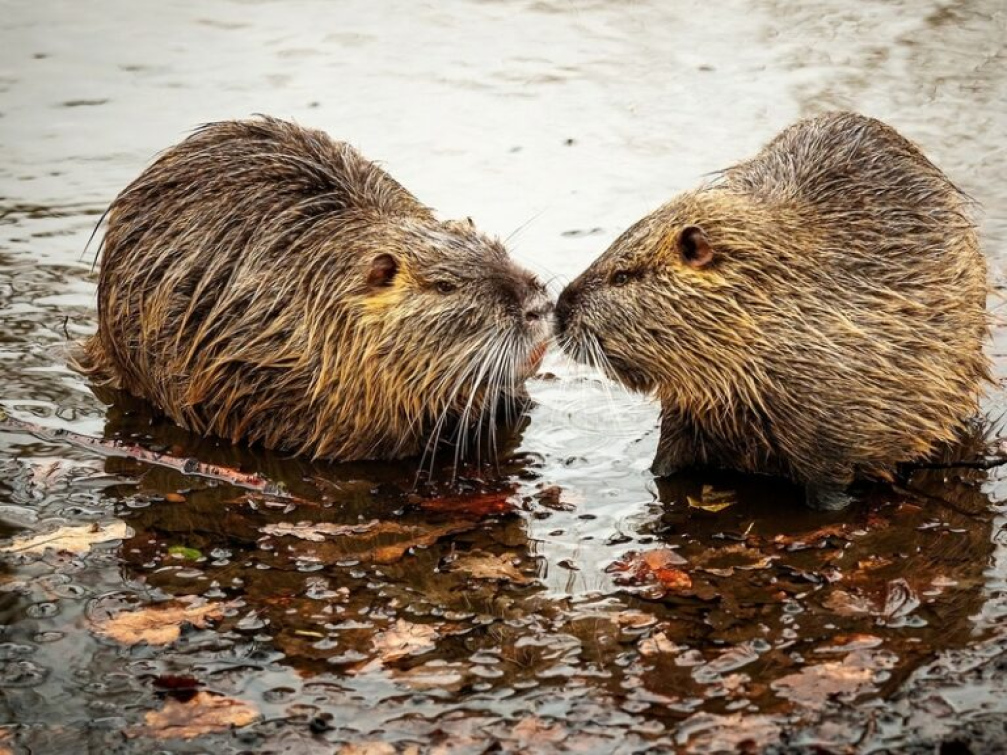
(383, 269)
(695, 247)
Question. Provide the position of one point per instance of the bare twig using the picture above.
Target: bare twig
(187, 466)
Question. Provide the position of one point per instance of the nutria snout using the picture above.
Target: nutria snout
(262, 282)
(817, 312)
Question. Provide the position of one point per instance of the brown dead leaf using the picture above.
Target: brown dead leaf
(658, 565)
(6, 742)
(658, 644)
(724, 559)
(75, 538)
(203, 713)
(633, 619)
(367, 748)
(814, 538)
(532, 732)
(378, 542)
(814, 686)
(471, 506)
(713, 500)
(844, 643)
(158, 624)
(736, 732)
(481, 565)
(900, 600)
(447, 677)
(316, 532)
(848, 604)
(404, 639)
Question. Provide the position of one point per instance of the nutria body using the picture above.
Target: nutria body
(817, 312)
(262, 282)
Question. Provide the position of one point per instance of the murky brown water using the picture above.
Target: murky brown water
(578, 604)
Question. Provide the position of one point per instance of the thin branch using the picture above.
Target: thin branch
(187, 466)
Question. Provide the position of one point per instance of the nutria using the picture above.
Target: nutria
(260, 281)
(816, 312)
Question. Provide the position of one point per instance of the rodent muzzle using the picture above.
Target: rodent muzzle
(566, 305)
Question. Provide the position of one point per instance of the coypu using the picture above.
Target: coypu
(261, 281)
(817, 312)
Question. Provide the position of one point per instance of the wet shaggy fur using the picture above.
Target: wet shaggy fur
(817, 312)
(262, 282)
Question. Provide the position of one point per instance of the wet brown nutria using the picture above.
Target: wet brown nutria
(260, 281)
(817, 312)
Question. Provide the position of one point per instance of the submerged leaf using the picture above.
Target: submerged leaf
(482, 565)
(159, 624)
(814, 686)
(713, 500)
(203, 713)
(404, 639)
(316, 532)
(76, 538)
(658, 565)
(180, 551)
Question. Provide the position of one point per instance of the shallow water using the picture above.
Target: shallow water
(578, 604)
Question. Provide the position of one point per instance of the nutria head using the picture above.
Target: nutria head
(668, 308)
(260, 281)
(441, 325)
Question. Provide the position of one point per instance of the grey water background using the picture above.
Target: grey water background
(552, 124)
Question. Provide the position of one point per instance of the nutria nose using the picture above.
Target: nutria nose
(538, 310)
(565, 305)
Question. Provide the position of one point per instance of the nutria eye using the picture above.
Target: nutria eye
(445, 287)
(620, 278)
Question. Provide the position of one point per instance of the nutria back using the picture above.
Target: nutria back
(263, 282)
(817, 311)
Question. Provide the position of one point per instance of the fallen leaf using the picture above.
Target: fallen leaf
(713, 500)
(814, 538)
(847, 604)
(657, 644)
(158, 624)
(724, 559)
(632, 619)
(379, 542)
(844, 643)
(733, 658)
(736, 732)
(404, 639)
(180, 551)
(482, 565)
(814, 686)
(316, 532)
(367, 748)
(203, 713)
(658, 565)
(47, 475)
(900, 600)
(532, 732)
(6, 742)
(475, 506)
(75, 538)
